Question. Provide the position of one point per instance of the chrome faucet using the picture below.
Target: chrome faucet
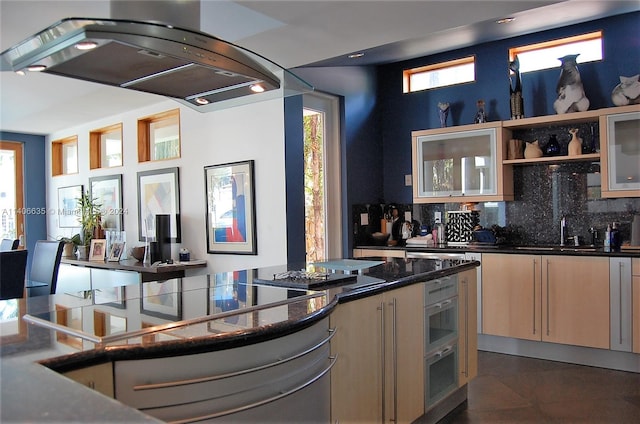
(563, 224)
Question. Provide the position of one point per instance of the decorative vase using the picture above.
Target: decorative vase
(571, 97)
(82, 253)
(481, 117)
(67, 251)
(553, 147)
(532, 150)
(443, 113)
(575, 145)
(516, 102)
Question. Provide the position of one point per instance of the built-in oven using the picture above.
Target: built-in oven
(441, 312)
(441, 339)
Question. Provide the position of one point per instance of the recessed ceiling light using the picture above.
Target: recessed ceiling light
(36, 68)
(21, 73)
(505, 20)
(202, 101)
(86, 45)
(257, 88)
(355, 55)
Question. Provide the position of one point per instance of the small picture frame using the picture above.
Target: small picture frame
(116, 251)
(98, 249)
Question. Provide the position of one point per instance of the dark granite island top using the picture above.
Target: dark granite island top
(67, 331)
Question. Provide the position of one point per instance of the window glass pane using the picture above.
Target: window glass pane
(442, 77)
(547, 55)
(70, 158)
(110, 149)
(165, 139)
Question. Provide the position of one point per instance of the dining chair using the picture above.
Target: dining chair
(13, 265)
(45, 264)
(9, 244)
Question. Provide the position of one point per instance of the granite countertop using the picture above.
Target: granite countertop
(626, 251)
(187, 315)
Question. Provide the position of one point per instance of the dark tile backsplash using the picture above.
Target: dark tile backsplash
(543, 194)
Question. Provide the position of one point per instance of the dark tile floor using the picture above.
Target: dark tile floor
(513, 389)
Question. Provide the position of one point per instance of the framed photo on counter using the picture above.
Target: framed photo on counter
(231, 215)
(98, 250)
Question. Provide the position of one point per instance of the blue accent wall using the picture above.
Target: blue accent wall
(402, 113)
(34, 186)
(294, 160)
(361, 142)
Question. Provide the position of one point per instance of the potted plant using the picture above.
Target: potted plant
(89, 222)
(70, 245)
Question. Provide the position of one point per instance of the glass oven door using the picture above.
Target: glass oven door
(442, 374)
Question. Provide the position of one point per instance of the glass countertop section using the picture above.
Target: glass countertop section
(173, 309)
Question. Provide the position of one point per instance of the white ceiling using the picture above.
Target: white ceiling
(291, 33)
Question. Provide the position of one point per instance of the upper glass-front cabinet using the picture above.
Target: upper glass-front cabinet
(621, 154)
(458, 164)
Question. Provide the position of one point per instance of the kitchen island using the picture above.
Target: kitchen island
(173, 342)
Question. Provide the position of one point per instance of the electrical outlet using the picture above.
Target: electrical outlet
(407, 180)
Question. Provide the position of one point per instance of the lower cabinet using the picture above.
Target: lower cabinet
(284, 379)
(379, 345)
(391, 253)
(551, 298)
(635, 294)
(97, 377)
(621, 303)
(468, 329)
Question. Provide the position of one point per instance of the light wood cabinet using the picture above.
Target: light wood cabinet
(620, 167)
(462, 163)
(379, 343)
(384, 253)
(468, 331)
(559, 299)
(635, 294)
(97, 377)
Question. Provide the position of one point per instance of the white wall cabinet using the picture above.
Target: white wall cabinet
(620, 172)
(461, 163)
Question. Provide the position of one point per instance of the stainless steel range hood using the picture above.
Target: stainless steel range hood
(197, 69)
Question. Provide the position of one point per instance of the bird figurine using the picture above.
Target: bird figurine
(571, 96)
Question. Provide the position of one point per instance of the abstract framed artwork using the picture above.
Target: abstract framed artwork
(230, 212)
(162, 299)
(158, 194)
(68, 212)
(107, 191)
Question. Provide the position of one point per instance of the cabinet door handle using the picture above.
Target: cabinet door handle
(548, 296)
(465, 289)
(394, 335)
(620, 271)
(383, 357)
(264, 401)
(534, 296)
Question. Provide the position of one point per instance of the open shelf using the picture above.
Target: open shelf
(553, 159)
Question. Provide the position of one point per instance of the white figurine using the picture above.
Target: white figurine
(627, 92)
(571, 97)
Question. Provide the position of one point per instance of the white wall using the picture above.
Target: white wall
(254, 131)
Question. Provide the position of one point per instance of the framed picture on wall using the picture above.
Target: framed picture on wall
(158, 194)
(68, 211)
(107, 191)
(231, 215)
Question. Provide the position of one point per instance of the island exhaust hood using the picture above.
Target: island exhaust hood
(192, 67)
